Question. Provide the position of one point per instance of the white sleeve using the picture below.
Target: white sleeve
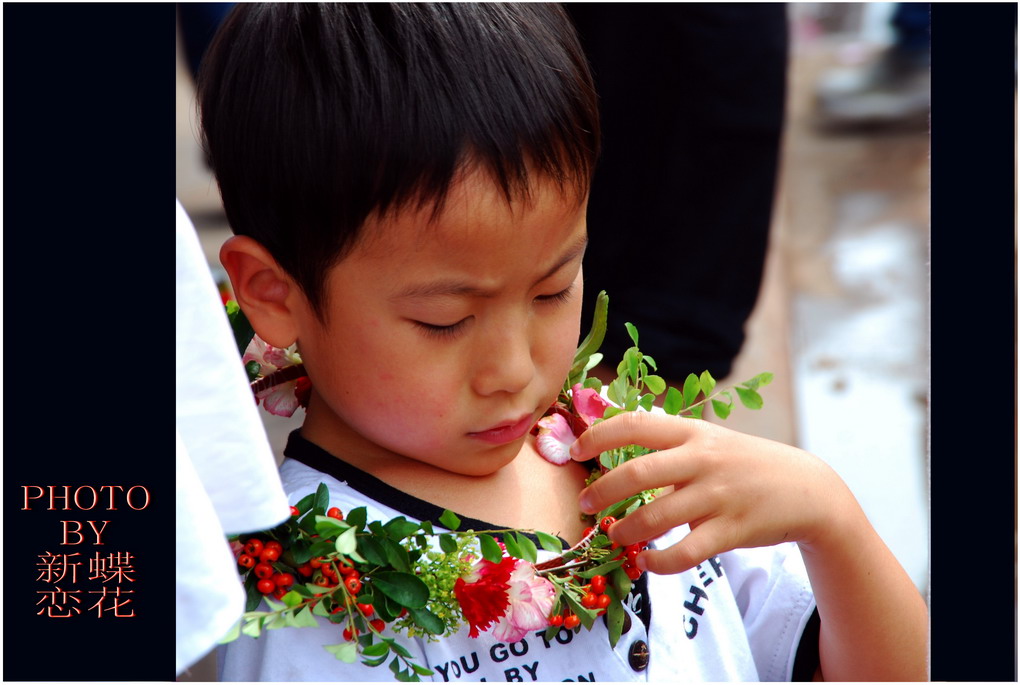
(775, 600)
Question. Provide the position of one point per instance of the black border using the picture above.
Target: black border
(973, 343)
(88, 217)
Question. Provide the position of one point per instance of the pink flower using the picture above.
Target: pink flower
(269, 358)
(482, 594)
(280, 400)
(554, 439)
(285, 398)
(530, 601)
(588, 404)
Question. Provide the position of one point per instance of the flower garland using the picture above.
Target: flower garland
(377, 579)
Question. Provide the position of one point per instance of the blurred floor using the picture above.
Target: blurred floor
(843, 316)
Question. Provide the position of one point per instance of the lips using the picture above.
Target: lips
(505, 432)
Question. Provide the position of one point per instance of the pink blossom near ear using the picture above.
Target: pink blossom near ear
(530, 600)
(588, 404)
(269, 358)
(554, 439)
(280, 400)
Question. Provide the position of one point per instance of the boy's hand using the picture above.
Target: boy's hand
(734, 490)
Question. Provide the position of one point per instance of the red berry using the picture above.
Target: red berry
(346, 570)
(335, 513)
(269, 554)
(353, 585)
(266, 586)
(633, 573)
(571, 622)
(283, 580)
(556, 620)
(253, 547)
(603, 601)
(305, 570)
(294, 511)
(587, 530)
(598, 584)
(245, 560)
(337, 609)
(606, 522)
(632, 555)
(349, 633)
(588, 601)
(264, 570)
(378, 625)
(279, 592)
(329, 571)
(274, 544)
(366, 609)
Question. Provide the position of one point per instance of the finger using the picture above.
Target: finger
(654, 431)
(663, 514)
(648, 472)
(704, 542)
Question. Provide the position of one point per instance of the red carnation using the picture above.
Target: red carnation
(483, 594)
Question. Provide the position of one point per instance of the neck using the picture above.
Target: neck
(528, 492)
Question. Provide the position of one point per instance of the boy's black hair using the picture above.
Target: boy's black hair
(317, 116)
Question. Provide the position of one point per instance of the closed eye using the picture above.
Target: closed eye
(556, 298)
(440, 332)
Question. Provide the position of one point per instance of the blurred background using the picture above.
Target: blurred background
(841, 318)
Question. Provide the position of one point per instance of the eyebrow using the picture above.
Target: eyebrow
(455, 287)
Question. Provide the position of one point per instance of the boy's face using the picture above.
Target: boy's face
(446, 341)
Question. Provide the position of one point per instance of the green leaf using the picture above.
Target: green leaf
(512, 548)
(450, 520)
(375, 662)
(404, 588)
(749, 398)
(304, 619)
(376, 649)
(322, 548)
(674, 402)
(447, 543)
(615, 616)
(632, 332)
(253, 628)
(593, 361)
(527, 547)
(632, 357)
(321, 498)
(373, 551)
(346, 651)
(426, 527)
(592, 342)
(347, 543)
(621, 582)
(302, 552)
(697, 411)
(232, 634)
(594, 383)
(550, 543)
(292, 598)
(655, 384)
(327, 526)
(601, 570)
(692, 386)
(427, 620)
(651, 363)
(240, 326)
(421, 670)
(587, 616)
(305, 503)
(707, 382)
(400, 528)
(490, 548)
(721, 409)
(399, 649)
(611, 412)
(618, 390)
(357, 517)
(275, 606)
(396, 555)
(758, 381)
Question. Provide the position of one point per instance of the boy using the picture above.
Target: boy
(408, 187)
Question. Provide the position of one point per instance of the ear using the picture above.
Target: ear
(266, 293)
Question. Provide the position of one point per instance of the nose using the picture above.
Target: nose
(504, 360)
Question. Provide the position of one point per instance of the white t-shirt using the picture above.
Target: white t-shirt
(736, 617)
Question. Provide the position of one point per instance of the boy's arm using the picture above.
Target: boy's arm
(739, 491)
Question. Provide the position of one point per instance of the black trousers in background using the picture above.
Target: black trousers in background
(692, 99)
